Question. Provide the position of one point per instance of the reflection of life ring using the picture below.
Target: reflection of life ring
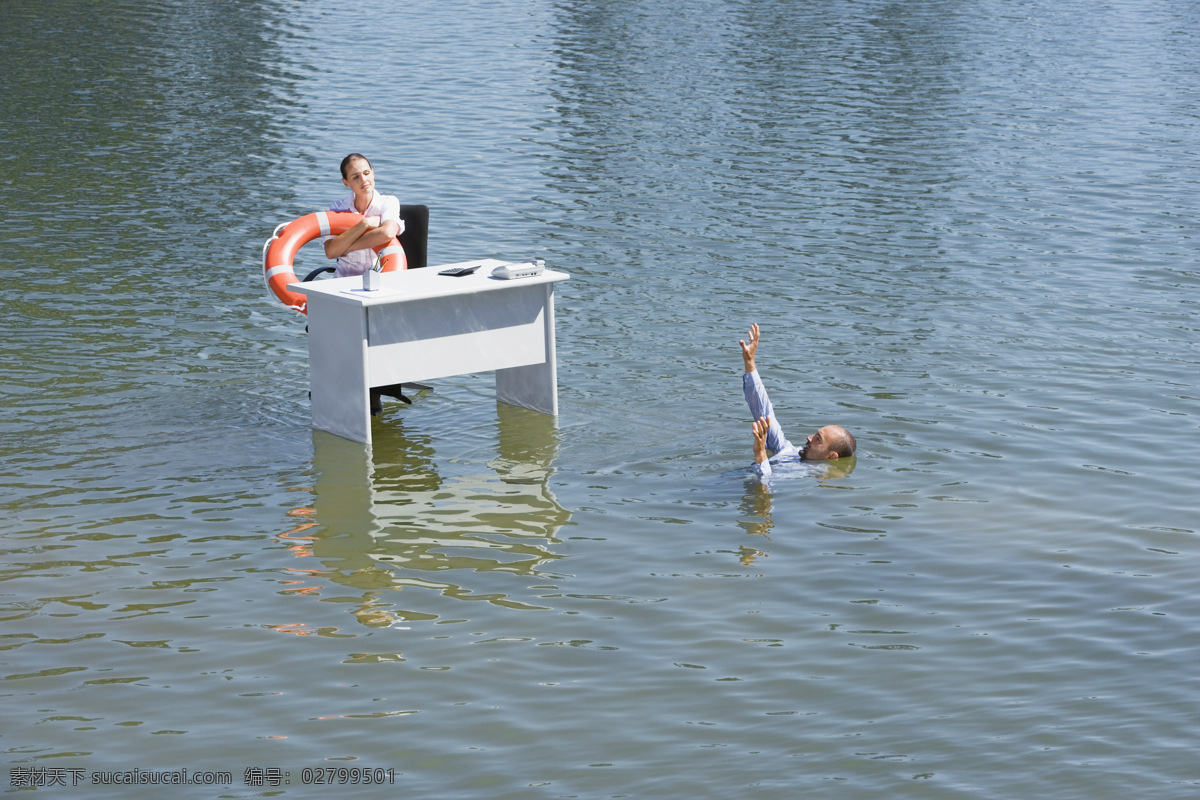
(280, 251)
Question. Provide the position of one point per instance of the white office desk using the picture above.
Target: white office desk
(421, 326)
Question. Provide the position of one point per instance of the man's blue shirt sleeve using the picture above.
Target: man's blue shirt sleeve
(760, 406)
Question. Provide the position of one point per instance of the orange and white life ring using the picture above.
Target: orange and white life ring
(279, 252)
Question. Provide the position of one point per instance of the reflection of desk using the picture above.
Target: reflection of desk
(421, 326)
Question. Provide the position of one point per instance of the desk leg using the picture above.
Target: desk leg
(337, 368)
(534, 386)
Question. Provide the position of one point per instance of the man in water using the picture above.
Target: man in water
(354, 248)
(827, 444)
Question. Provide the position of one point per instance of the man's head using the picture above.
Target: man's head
(829, 443)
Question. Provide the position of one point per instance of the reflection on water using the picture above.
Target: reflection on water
(384, 519)
(757, 501)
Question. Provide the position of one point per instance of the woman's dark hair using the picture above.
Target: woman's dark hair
(346, 161)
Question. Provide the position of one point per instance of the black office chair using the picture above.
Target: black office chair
(414, 239)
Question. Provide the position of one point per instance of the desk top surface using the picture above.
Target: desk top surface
(422, 284)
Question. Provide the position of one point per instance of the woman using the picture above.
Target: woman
(354, 249)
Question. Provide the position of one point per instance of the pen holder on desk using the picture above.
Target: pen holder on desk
(370, 281)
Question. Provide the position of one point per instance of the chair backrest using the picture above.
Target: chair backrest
(415, 238)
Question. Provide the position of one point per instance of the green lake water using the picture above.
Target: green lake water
(969, 231)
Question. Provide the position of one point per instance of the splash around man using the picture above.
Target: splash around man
(827, 444)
